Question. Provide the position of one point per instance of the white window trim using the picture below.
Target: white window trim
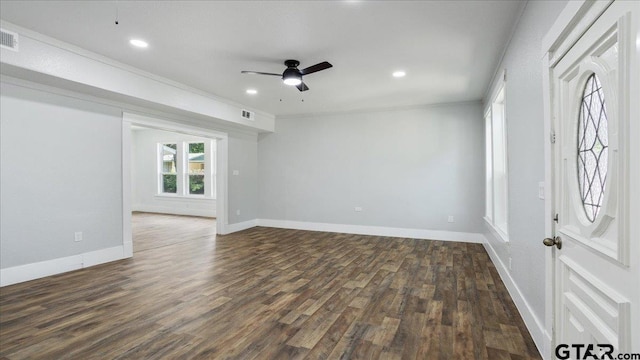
(185, 171)
(190, 197)
(498, 88)
(160, 167)
(497, 233)
(488, 167)
(182, 173)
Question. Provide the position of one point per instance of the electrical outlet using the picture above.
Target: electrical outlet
(236, 172)
(77, 236)
(450, 219)
(357, 208)
(238, 212)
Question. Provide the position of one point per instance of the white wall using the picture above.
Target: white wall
(60, 173)
(525, 143)
(145, 177)
(407, 168)
(243, 187)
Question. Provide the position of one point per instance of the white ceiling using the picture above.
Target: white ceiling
(449, 49)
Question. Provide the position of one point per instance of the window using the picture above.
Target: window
(593, 147)
(195, 157)
(496, 164)
(489, 167)
(169, 175)
(187, 169)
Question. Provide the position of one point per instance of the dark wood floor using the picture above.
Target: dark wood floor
(268, 294)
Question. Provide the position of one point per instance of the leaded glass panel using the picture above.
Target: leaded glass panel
(593, 145)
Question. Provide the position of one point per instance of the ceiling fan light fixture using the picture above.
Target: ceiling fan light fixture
(293, 81)
(292, 77)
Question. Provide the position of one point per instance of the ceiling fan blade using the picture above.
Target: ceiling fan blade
(302, 87)
(258, 73)
(315, 68)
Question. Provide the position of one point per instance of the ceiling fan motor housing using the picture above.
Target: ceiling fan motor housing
(291, 75)
(292, 63)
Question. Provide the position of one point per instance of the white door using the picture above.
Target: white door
(593, 84)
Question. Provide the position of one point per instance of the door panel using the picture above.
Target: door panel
(592, 312)
(591, 103)
(598, 52)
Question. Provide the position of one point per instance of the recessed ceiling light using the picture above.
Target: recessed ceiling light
(252, 91)
(399, 74)
(138, 43)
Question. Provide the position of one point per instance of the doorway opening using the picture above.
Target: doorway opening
(173, 177)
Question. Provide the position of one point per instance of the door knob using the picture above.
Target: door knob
(555, 241)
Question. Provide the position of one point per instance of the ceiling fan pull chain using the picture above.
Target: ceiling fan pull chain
(117, 22)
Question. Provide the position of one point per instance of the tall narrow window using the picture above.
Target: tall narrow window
(212, 171)
(496, 164)
(196, 170)
(499, 162)
(169, 173)
(488, 167)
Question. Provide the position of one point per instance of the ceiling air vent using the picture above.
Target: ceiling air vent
(246, 114)
(8, 40)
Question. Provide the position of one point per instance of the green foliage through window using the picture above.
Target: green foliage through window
(188, 163)
(196, 148)
(196, 184)
(169, 184)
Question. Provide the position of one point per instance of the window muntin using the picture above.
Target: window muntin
(593, 145)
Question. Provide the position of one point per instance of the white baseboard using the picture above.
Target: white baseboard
(231, 228)
(533, 323)
(27, 272)
(102, 256)
(174, 211)
(359, 229)
(375, 230)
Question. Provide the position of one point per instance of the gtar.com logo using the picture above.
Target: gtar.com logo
(591, 352)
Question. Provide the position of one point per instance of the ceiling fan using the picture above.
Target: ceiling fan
(292, 76)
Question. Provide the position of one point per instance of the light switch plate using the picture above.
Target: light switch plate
(541, 190)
